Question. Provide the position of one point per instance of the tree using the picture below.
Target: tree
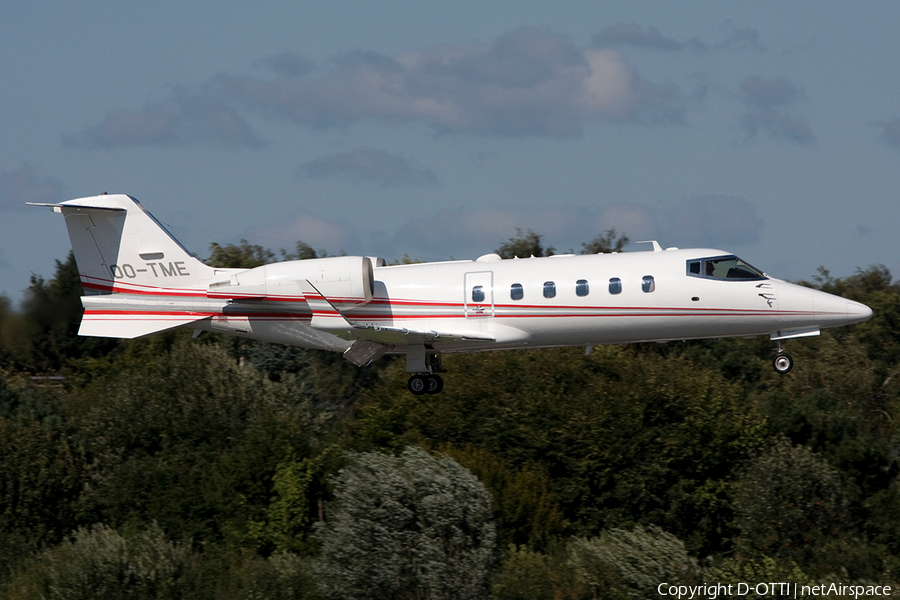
(789, 504)
(192, 441)
(248, 256)
(626, 436)
(605, 242)
(243, 256)
(617, 565)
(632, 563)
(98, 562)
(525, 509)
(414, 526)
(524, 245)
(302, 251)
(46, 336)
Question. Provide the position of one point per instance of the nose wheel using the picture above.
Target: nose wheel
(783, 362)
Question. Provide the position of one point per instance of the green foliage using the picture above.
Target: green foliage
(607, 241)
(221, 456)
(631, 563)
(625, 437)
(282, 576)
(295, 485)
(525, 509)
(618, 564)
(524, 245)
(41, 470)
(760, 570)
(8, 323)
(527, 575)
(248, 256)
(45, 335)
(191, 441)
(874, 287)
(413, 526)
(98, 562)
(789, 504)
(243, 256)
(331, 381)
(302, 251)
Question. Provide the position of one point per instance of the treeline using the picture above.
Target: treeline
(171, 467)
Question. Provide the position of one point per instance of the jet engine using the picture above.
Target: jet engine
(345, 281)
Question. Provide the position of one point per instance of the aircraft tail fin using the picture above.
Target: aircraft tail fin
(121, 248)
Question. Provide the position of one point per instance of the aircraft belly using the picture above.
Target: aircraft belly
(276, 329)
(621, 326)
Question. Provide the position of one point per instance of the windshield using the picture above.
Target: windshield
(729, 268)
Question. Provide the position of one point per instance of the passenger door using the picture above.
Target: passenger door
(479, 294)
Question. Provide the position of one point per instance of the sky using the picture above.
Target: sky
(435, 130)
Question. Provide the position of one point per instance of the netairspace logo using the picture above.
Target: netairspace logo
(782, 589)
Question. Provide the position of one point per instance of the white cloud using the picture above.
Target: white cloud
(368, 164)
(187, 118)
(306, 227)
(528, 82)
(767, 100)
(632, 34)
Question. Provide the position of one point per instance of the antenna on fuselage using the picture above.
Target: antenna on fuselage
(656, 246)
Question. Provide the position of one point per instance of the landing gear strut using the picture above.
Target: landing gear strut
(424, 368)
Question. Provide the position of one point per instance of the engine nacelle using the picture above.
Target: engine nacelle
(346, 281)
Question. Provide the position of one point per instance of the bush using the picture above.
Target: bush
(413, 526)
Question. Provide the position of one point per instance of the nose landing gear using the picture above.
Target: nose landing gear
(782, 362)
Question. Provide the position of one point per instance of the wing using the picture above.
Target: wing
(372, 339)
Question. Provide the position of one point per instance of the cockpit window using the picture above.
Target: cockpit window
(728, 268)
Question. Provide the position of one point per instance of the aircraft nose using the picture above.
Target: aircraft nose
(858, 312)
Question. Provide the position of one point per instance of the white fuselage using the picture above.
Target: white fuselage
(138, 280)
(580, 306)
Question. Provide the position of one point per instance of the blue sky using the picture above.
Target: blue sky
(771, 130)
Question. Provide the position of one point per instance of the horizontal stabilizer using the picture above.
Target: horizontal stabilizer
(75, 208)
(123, 324)
(130, 316)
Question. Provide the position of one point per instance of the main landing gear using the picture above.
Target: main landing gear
(782, 361)
(424, 366)
(425, 384)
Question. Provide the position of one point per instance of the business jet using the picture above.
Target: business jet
(138, 279)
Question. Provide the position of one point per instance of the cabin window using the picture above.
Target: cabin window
(615, 286)
(549, 289)
(516, 291)
(648, 284)
(478, 293)
(582, 288)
